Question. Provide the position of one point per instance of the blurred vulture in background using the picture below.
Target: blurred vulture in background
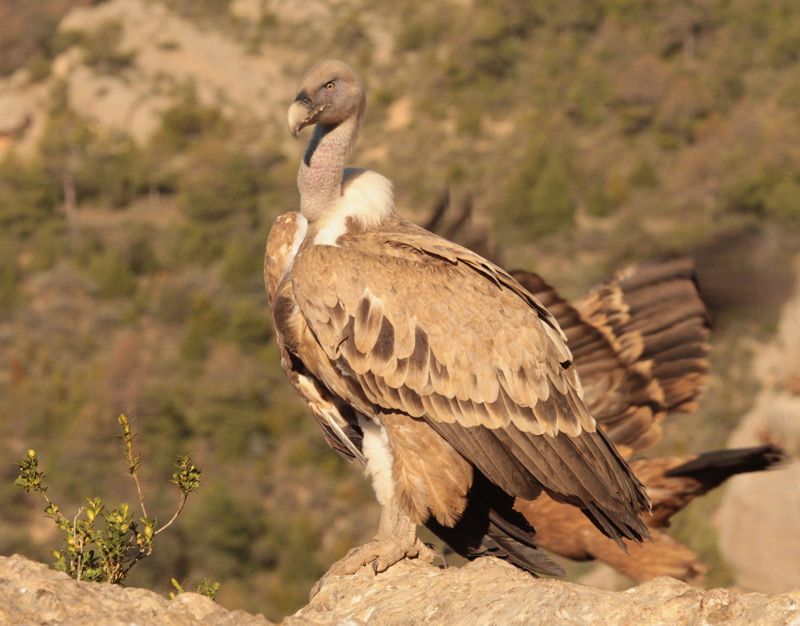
(639, 343)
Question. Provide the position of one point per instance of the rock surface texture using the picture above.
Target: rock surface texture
(32, 593)
(766, 506)
(486, 591)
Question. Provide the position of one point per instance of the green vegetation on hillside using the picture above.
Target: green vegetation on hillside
(588, 135)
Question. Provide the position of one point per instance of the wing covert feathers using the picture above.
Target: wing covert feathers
(515, 412)
(414, 348)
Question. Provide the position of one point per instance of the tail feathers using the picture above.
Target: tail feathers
(491, 527)
(711, 469)
(625, 525)
(505, 545)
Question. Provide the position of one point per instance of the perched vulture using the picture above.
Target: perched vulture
(435, 368)
(432, 365)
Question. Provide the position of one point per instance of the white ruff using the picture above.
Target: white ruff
(367, 198)
(375, 447)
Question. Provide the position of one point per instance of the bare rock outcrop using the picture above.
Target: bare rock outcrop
(486, 591)
(166, 53)
(32, 593)
(759, 525)
(14, 116)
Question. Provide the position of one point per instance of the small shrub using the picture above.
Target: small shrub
(205, 323)
(219, 183)
(204, 588)
(243, 268)
(113, 170)
(103, 545)
(551, 207)
(538, 201)
(598, 203)
(201, 10)
(138, 252)
(39, 67)
(171, 302)
(28, 197)
(783, 201)
(195, 342)
(9, 276)
(644, 175)
(748, 193)
(187, 122)
(195, 243)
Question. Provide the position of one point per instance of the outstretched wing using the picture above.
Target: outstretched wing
(639, 344)
(427, 328)
(654, 314)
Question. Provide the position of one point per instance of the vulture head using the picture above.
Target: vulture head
(329, 93)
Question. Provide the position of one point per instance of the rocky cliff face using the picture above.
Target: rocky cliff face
(164, 53)
(32, 593)
(759, 525)
(486, 591)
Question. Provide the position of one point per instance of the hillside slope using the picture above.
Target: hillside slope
(148, 156)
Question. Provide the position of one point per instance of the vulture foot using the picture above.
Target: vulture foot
(396, 540)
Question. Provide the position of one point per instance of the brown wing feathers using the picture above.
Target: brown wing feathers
(639, 344)
(581, 471)
(607, 335)
(658, 309)
(495, 409)
(672, 484)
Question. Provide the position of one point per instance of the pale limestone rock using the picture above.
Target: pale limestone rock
(252, 10)
(489, 591)
(484, 592)
(169, 52)
(759, 518)
(32, 593)
(14, 114)
(22, 118)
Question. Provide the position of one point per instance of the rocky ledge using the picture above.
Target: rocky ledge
(484, 592)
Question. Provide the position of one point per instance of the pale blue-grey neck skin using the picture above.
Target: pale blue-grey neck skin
(320, 177)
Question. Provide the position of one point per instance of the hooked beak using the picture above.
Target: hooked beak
(301, 113)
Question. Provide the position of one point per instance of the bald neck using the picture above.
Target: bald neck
(322, 169)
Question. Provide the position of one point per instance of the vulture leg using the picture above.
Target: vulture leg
(396, 540)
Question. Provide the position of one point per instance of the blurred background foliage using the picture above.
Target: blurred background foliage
(587, 135)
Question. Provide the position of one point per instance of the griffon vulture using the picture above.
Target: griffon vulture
(433, 366)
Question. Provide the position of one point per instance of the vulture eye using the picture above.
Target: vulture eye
(330, 86)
